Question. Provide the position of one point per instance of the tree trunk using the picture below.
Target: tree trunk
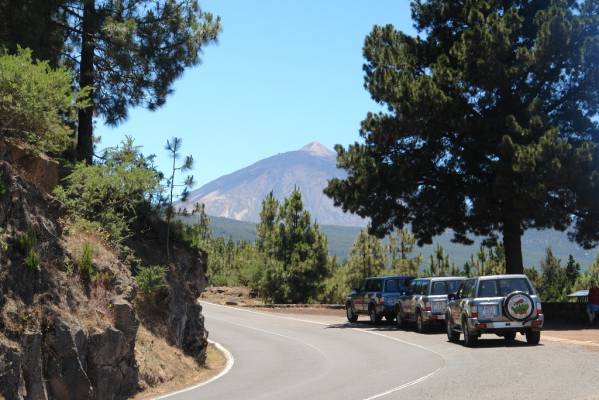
(512, 234)
(85, 128)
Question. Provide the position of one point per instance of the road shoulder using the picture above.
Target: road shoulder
(173, 373)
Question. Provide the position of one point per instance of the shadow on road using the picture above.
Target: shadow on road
(483, 343)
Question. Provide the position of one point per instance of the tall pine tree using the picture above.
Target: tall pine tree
(490, 124)
(130, 52)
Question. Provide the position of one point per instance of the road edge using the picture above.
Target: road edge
(230, 361)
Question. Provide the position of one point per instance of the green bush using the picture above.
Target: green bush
(151, 279)
(26, 245)
(85, 264)
(37, 102)
(109, 195)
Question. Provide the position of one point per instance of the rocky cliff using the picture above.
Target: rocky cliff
(66, 337)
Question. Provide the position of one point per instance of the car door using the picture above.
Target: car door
(371, 292)
(466, 295)
(455, 304)
(359, 297)
(406, 299)
(416, 294)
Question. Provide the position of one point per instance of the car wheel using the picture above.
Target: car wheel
(470, 340)
(399, 318)
(509, 336)
(351, 314)
(420, 326)
(533, 337)
(452, 335)
(374, 318)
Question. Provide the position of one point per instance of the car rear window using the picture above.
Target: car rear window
(502, 287)
(392, 285)
(445, 287)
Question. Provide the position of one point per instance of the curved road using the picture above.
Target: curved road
(280, 356)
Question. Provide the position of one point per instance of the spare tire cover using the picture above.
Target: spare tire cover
(518, 306)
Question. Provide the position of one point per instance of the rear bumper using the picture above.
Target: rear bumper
(474, 325)
(428, 316)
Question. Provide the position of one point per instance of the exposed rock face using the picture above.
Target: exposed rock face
(45, 351)
(38, 169)
(63, 337)
(185, 319)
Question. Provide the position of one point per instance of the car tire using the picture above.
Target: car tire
(374, 318)
(509, 336)
(420, 325)
(389, 317)
(350, 313)
(470, 340)
(533, 337)
(400, 321)
(452, 335)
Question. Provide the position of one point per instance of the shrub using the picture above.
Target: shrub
(86, 266)
(37, 102)
(26, 245)
(151, 279)
(108, 195)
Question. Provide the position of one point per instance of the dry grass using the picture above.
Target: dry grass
(164, 368)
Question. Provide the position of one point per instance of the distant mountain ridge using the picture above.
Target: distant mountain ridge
(239, 195)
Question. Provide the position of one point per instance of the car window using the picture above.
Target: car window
(378, 285)
(412, 286)
(445, 287)
(367, 285)
(468, 290)
(417, 286)
(392, 285)
(426, 284)
(503, 286)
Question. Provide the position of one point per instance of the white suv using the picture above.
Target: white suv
(500, 304)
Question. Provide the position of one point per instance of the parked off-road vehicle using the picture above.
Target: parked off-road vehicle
(425, 301)
(500, 304)
(376, 297)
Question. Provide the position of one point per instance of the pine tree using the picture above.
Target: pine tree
(400, 246)
(173, 147)
(296, 250)
(489, 124)
(130, 52)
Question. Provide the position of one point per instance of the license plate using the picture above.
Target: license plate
(438, 307)
(488, 311)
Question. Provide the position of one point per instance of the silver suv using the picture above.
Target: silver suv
(425, 301)
(500, 304)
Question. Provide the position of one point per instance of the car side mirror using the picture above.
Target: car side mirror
(452, 296)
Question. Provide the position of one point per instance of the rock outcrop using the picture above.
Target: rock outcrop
(64, 337)
(37, 168)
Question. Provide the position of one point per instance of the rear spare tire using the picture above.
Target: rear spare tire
(518, 306)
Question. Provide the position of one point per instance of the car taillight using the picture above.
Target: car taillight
(382, 300)
(539, 309)
(427, 306)
(473, 311)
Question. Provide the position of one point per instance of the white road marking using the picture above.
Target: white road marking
(230, 361)
(375, 396)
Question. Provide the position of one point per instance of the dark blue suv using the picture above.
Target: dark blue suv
(376, 297)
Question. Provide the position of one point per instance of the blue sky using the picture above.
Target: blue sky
(284, 73)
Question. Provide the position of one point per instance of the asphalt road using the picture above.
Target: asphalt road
(280, 356)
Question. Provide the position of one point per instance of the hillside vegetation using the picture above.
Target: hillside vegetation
(341, 238)
(86, 287)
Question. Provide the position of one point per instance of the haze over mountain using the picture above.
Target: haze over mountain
(239, 195)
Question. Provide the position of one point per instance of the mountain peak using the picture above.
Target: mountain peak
(318, 149)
